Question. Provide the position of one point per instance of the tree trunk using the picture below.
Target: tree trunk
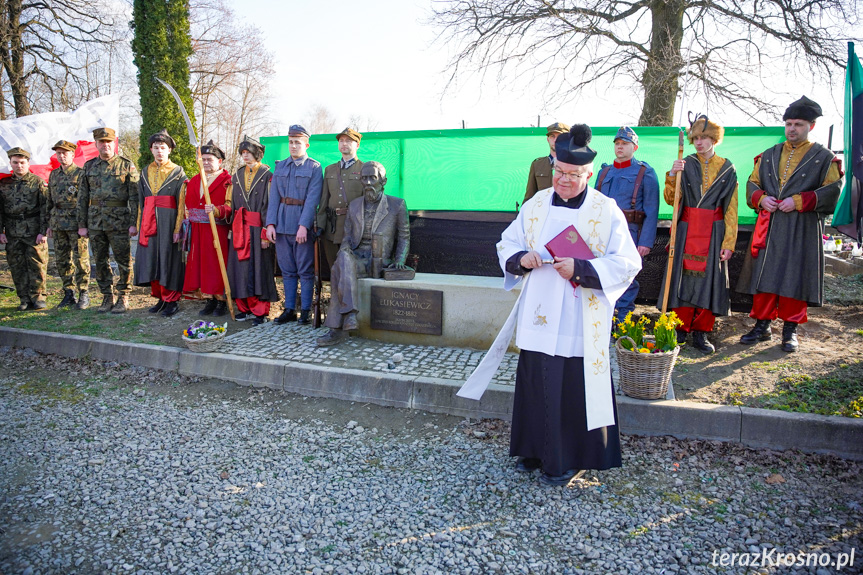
(16, 49)
(664, 64)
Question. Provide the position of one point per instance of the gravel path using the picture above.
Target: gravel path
(112, 469)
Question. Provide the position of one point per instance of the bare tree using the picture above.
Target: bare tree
(229, 73)
(320, 120)
(728, 49)
(362, 123)
(47, 48)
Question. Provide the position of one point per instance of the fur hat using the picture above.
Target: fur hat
(252, 146)
(163, 137)
(571, 146)
(212, 149)
(701, 126)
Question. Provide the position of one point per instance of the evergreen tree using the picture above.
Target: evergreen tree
(161, 47)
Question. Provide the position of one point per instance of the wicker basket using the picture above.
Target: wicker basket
(208, 344)
(645, 375)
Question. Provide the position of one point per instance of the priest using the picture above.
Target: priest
(564, 416)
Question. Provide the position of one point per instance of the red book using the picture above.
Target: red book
(569, 244)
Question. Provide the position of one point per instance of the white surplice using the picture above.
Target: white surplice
(553, 317)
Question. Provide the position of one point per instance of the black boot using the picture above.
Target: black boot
(83, 299)
(701, 343)
(170, 308)
(286, 316)
(681, 336)
(209, 308)
(221, 308)
(761, 332)
(304, 317)
(68, 299)
(160, 305)
(789, 337)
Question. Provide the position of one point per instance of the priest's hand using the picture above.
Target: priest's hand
(725, 255)
(787, 205)
(769, 203)
(530, 260)
(565, 267)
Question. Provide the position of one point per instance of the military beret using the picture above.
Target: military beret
(104, 134)
(252, 146)
(212, 149)
(16, 151)
(350, 133)
(298, 130)
(571, 146)
(65, 146)
(803, 109)
(556, 128)
(626, 134)
(162, 137)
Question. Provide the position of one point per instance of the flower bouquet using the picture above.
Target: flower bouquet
(204, 336)
(646, 360)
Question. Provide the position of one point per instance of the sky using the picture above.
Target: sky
(378, 60)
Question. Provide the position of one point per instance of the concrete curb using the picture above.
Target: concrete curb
(760, 428)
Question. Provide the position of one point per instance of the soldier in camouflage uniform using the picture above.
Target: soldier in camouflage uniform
(107, 213)
(69, 248)
(23, 221)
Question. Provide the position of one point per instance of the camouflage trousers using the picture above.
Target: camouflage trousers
(118, 241)
(71, 250)
(28, 263)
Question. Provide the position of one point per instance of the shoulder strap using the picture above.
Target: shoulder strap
(601, 178)
(638, 180)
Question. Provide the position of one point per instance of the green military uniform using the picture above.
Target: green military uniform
(107, 208)
(341, 187)
(70, 249)
(23, 216)
(542, 169)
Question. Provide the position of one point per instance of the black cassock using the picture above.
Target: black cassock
(549, 417)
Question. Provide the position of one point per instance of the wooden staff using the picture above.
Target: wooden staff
(216, 244)
(674, 215)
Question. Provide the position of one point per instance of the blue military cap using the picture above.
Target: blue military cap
(627, 134)
(298, 130)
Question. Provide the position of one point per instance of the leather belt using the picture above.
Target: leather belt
(340, 211)
(292, 202)
(66, 205)
(109, 203)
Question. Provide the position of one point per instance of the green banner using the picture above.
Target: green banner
(486, 169)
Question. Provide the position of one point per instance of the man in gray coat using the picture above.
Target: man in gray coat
(376, 226)
(794, 186)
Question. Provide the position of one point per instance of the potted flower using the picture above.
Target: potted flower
(646, 359)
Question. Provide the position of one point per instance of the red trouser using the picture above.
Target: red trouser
(695, 319)
(166, 295)
(770, 306)
(253, 305)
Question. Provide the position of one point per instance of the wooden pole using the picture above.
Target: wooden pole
(206, 189)
(674, 216)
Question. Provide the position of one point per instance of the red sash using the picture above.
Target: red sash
(243, 220)
(759, 234)
(698, 234)
(148, 218)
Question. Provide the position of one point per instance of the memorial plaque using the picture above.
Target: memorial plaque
(406, 309)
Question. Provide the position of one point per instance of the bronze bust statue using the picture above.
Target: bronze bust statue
(376, 241)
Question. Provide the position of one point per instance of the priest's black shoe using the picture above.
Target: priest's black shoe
(305, 316)
(170, 308)
(557, 480)
(527, 464)
(789, 337)
(160, 305)
(285, 317)
(761, 332)
(221, 308)
(210, 307)
(701, 343)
